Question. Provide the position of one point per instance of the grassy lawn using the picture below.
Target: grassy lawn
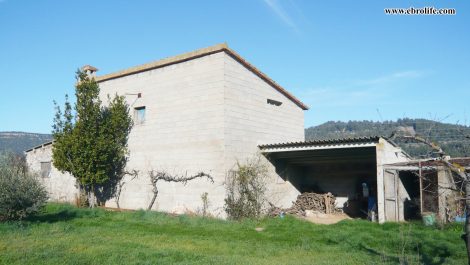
(64, 234)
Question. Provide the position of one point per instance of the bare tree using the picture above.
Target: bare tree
(134, 174)
(156, 176)
(459, 171)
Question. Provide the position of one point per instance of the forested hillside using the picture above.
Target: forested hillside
(450, 137)
(18, 142)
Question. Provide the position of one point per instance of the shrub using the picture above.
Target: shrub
(204, 211)
(21, 194)
(246, 187)
(81, 200)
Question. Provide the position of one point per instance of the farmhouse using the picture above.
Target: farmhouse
(206, 110)
(200, 111)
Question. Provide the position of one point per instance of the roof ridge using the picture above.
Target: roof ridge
(200, 53)
(163, 62)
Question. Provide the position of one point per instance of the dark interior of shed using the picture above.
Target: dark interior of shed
(348, 173)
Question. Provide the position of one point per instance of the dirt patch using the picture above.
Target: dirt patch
(326, 219)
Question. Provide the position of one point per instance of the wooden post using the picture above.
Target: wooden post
(420, 189)
(397, 196)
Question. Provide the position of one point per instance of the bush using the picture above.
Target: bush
(21, 194)
(246, 187)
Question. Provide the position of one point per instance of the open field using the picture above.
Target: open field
(66, 235)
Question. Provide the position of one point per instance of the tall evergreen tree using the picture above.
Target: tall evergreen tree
(92, 144)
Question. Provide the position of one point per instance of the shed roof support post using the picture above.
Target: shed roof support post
(420, 172)
(397, 196)
(380, 194)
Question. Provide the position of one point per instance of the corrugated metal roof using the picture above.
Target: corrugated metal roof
(323, 142)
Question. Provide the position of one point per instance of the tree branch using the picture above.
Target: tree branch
(155, 176)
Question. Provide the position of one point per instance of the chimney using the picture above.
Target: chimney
(89, 70)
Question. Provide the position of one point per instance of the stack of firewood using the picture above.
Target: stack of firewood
(324, 203)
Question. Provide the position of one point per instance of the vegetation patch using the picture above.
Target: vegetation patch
(63, 234)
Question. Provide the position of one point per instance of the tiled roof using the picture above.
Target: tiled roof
(39, 146)
(197, 54)
(323, 142)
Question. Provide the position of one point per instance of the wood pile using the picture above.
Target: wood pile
(324, 203)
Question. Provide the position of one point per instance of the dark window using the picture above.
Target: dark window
(139, 115)
(274, 102)
(45, 169)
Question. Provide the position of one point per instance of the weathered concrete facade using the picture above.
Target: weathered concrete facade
(388, 154)
(61, 186)
(203, 111)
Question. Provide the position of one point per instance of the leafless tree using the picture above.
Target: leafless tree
(134, 174)
(459, 171)
(156, 176)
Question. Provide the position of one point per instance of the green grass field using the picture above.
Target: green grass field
(64, 234)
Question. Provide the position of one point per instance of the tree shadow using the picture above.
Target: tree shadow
(60, 216)
(372, 251)
(438, 251)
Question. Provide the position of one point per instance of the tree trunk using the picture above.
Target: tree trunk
(466, 236)
(117, 203)
(91, 198)
(155, 194)
(118, 195)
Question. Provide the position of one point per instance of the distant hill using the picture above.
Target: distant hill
(450, 137)
(18, 142)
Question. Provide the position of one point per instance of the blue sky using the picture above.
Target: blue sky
(347, 60)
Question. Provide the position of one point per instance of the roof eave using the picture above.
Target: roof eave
(39, 146)
(324, 143)
(197, 54)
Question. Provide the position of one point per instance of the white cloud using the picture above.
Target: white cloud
(281, 12)
(365, 92)
(334, 97)
(386, 79)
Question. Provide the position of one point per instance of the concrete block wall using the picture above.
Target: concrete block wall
(386, 154)
(203, 114)
(447, 197)
(182, 132)
(250, 121)
(60, 186)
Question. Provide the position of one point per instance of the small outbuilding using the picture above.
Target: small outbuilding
(352, 169)
(371, 177)
(424, 186)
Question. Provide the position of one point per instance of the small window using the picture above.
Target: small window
(139, 115)
(274, 102)
(45, 169)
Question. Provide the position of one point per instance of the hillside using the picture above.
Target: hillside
(450, 137)
(18, 142)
